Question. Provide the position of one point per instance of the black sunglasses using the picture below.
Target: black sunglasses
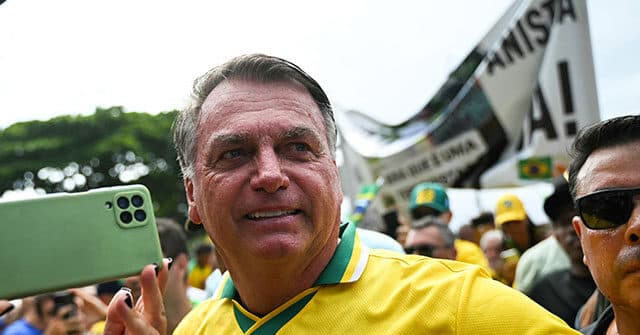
(607, 209)
(421, 249)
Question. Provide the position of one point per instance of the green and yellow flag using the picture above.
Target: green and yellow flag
(535, 168)
(367, 193)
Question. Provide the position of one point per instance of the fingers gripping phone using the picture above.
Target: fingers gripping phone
(66, 240)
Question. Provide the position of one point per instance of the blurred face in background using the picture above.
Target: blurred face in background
(518, 231)
(429, 242)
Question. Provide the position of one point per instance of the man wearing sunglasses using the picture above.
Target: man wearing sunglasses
(605, 185)
(431, 237)
(431, 200)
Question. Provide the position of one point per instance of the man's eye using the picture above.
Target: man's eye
(301, 147)
(232, 154)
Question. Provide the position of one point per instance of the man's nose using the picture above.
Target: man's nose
(632, 234)
(269, 175)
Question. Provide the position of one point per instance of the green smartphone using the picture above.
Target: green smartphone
(66, 240)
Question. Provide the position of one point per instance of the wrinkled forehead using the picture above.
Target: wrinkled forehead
(233, 97)
(233, 93)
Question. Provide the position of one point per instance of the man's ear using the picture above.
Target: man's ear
(577, 226)
(194, 214)
(576, 221)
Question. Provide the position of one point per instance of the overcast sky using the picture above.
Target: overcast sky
(382, 58)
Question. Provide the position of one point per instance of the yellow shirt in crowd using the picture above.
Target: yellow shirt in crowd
(363, 291)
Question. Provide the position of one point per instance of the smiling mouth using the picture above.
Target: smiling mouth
(270, 214)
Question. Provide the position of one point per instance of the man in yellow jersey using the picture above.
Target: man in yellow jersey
(431, 199)
(257, 150)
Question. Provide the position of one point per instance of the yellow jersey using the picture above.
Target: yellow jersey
(363, 291)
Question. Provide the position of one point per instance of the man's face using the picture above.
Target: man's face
(430, 238)
(613, 255)
(265, 185)
(492, 249)
(518, 231)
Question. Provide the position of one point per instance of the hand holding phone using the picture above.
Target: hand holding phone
(148, 316)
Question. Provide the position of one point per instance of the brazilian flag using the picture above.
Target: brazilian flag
(535, 168)
(363, 200)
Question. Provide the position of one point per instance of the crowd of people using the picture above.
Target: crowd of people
(257, 152)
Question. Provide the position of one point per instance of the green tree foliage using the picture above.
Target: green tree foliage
(110, 147)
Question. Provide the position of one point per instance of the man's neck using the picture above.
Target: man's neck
(626, 321)
(263, 288)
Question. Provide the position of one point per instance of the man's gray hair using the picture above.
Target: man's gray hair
(433, 221)
(257, 68)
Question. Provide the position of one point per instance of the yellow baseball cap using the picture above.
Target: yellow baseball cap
(509, 208)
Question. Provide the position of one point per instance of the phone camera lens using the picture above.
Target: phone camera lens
(140, 215)
(126, 217)
(136, 200)
(123, 202)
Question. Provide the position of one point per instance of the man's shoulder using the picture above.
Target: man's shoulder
(467, 289)
(414, 267)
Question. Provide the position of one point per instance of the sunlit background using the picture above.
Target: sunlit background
(382, 58)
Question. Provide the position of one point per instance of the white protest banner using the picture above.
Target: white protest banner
(505, 116)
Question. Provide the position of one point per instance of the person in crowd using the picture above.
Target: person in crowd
(467, 232)
(257, 151)
(549, 255)
(431, 237)
(512, 219)
(431, 199)
(404, 225)
(215, 278)
(202, 268)
(605, 186)
(482, 224)
(42, 316)
(492, 244)
(179, 297)
(563, 292)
